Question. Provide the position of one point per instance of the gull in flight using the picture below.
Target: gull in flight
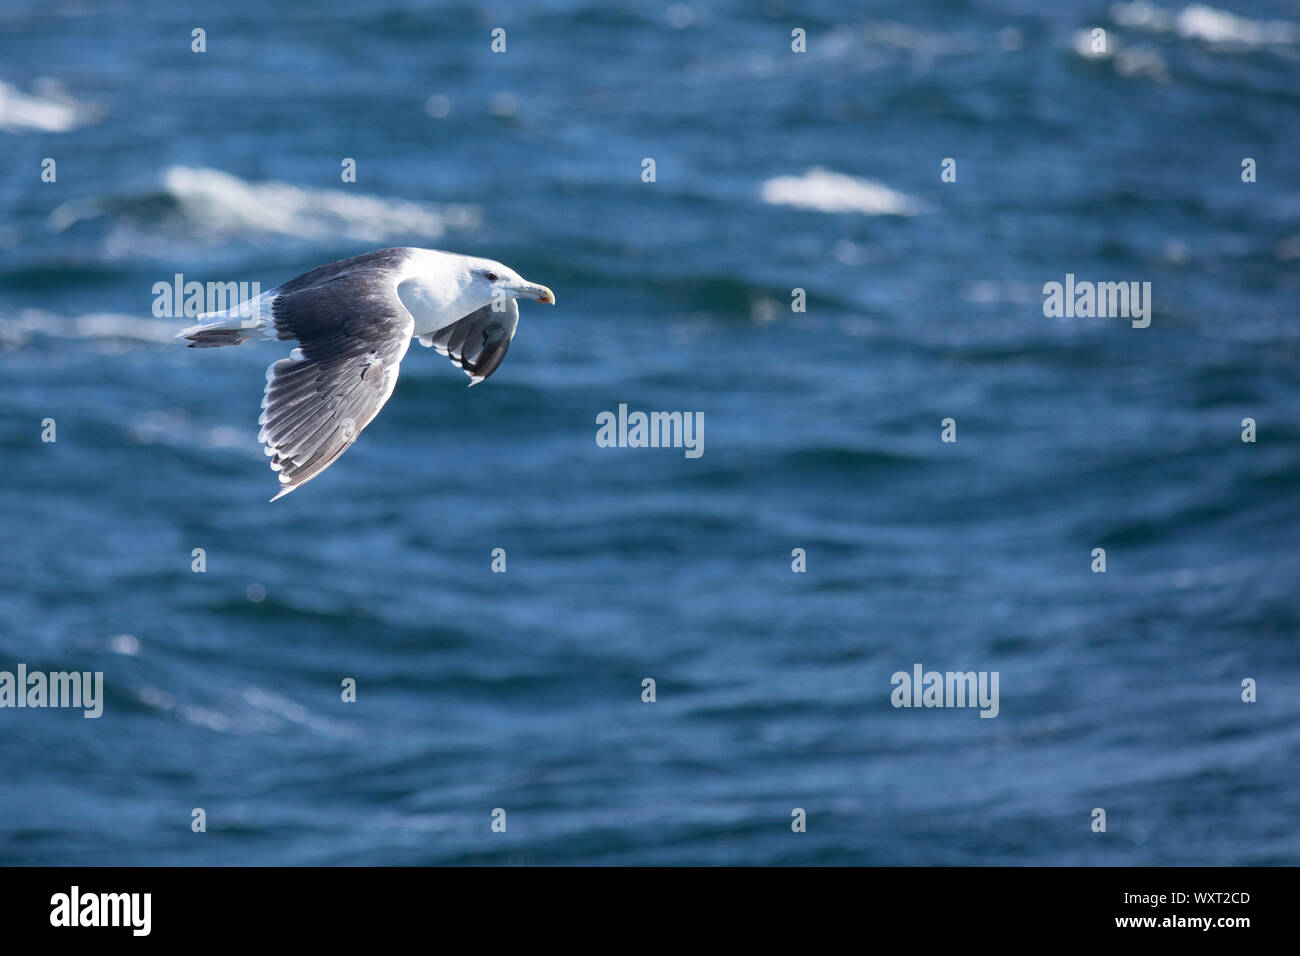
(353, 321)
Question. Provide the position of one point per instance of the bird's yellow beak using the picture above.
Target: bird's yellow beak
(538, 292)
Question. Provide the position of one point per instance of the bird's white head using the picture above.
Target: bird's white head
(442, 287)
(488, 280)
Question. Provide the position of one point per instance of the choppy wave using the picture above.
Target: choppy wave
(18, 330)
(48, 109)
(210, 204)
(823, 432)
(1129, 60)
(1212, 29)
(1206, 24)
(826, 191)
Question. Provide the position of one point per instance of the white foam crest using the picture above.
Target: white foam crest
(1198, 21)
(1141, 15)
(826, 191)
(48, 109)
(17, 330)
(221, 203)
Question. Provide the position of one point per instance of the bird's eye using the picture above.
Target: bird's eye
(490, 276)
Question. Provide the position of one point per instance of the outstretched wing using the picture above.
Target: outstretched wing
(478, 342)
(352, 332)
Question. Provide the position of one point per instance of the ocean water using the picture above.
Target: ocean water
(774, 171)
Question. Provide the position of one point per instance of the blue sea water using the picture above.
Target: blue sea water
(774, 170)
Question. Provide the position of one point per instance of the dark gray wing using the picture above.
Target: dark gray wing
(381, 260)
(352, 332)
(477, 343)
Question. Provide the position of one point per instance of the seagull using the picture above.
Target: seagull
(353, 321)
